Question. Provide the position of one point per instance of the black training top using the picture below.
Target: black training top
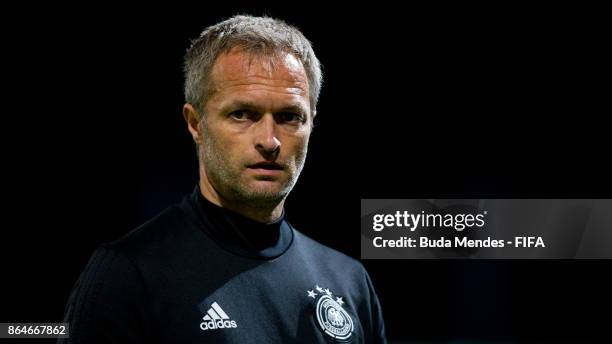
(199, 273)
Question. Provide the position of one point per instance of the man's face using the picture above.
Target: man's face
(256, 126)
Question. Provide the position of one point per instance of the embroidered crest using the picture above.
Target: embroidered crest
(331, 317)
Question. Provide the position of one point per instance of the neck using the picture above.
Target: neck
(264, 213)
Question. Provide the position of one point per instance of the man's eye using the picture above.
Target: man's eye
(289, 117)
(240, 115)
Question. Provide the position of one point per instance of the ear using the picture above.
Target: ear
(312, 123)
(193, 120)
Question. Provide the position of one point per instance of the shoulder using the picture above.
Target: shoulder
(152, 236)
(328, 257)
(104, 298)
(108, 270)
(113, 287)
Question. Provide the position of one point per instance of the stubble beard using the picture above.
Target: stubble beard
(227, 178)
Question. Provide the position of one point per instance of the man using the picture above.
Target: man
(224, 266)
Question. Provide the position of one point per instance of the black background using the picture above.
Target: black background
(437, 102)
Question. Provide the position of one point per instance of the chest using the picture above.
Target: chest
(265, 303)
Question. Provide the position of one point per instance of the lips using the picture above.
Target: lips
(266, 170)
(271, 166)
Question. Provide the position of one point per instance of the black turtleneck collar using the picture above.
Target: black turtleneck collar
(240, 234)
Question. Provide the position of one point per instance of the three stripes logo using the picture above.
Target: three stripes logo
(216, 318)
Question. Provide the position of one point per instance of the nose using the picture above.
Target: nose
(266, 140)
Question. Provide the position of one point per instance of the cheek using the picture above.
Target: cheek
(232, 152)
(220, 141)
(298, 148)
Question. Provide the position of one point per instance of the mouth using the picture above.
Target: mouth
(266, 168)
(272, 166)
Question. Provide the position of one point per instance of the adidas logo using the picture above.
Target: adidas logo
(216, 318)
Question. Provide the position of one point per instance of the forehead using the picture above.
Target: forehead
(238, 72)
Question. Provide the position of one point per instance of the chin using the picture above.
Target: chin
(270, 193)
(273, 191)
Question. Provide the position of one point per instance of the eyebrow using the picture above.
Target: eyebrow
(247, 105)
